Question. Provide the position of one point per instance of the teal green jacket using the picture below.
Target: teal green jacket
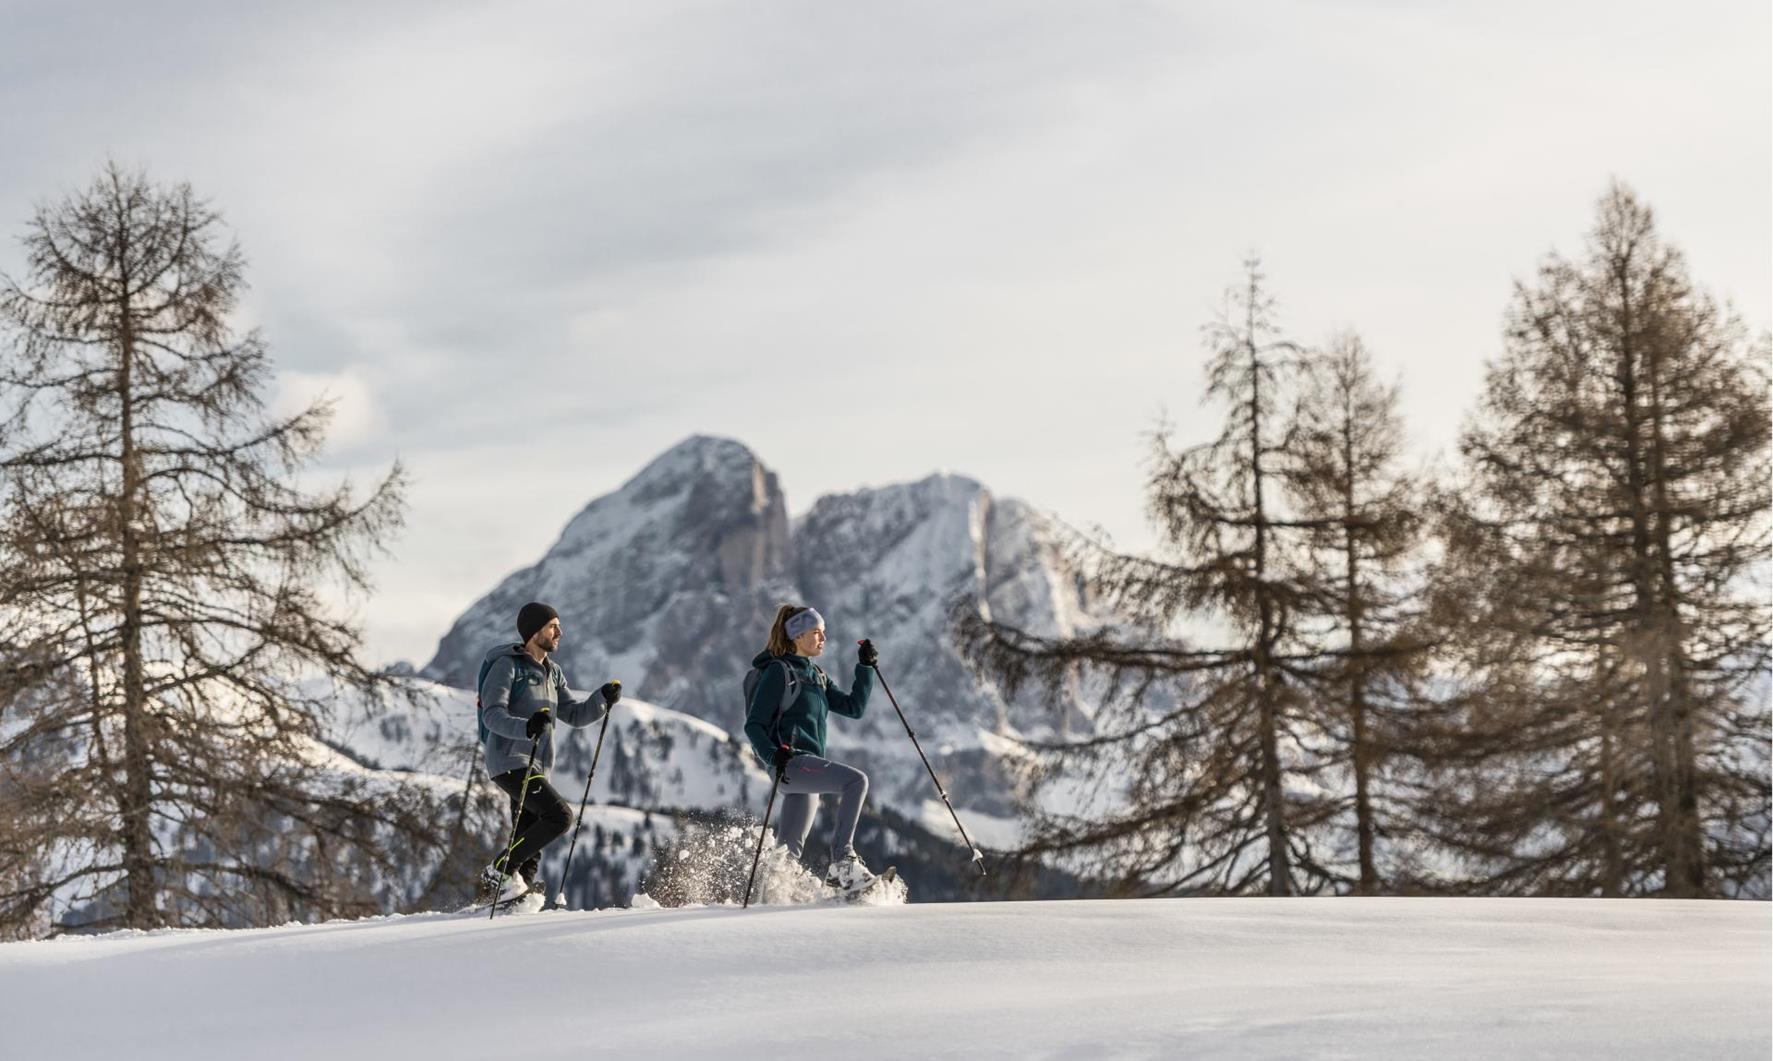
(802, 726)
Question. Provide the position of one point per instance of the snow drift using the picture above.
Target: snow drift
(1371, 978)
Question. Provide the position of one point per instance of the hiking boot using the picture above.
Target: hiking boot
(496, 887)
(849, 874)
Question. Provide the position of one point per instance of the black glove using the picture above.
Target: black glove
(866, 655)
(612, 691)
(537, 723)
(783, 755)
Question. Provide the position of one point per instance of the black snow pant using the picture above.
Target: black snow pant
(545, 817)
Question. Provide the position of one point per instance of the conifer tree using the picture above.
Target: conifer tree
(1202, 758)
(1364, 547)
(162, 753)
(1608, 545)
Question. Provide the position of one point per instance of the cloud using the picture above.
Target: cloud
(356, 423)
(870, 240)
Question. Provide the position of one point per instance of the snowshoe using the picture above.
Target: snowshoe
(849, 874)
(886, 889)
(521, 904)
(527, 903)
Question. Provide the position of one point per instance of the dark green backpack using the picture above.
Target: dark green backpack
(790, 689)
(480, 680)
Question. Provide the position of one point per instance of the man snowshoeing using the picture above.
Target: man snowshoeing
(521, 694)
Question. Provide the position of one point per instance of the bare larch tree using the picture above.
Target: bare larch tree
(1204, 752)
(1608, 546)
(1363, 516)
(163, 583)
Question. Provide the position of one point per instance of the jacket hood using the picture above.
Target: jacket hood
(509, 649)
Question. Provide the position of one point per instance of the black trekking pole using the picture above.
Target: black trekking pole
(978, 856)
(788, 688)
(504, 862)
(765, 831)
(558, 899)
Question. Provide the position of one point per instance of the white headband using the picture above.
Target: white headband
(800, 622)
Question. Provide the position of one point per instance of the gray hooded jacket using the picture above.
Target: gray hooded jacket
(516, 687)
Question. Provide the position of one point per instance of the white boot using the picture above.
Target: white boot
(849, 874)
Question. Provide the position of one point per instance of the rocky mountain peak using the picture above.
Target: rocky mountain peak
(702, 525)
(670, 581)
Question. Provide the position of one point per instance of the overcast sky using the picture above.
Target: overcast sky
(530, 245)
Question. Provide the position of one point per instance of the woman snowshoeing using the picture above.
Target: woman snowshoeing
(786, 726)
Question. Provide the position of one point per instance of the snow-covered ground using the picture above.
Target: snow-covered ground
(1358, 978)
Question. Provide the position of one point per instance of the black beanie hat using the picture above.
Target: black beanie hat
(532, 617)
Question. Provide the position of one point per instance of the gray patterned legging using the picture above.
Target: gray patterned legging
(807, 778)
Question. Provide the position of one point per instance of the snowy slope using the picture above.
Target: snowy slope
(1368, 978)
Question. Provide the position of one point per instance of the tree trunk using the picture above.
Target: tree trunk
(1647, 645)
(137, 787)
(1357, 680)
(1612, 858)
(1279, 872)
(1672, 642)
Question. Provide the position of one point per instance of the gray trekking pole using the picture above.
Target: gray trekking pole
(765, 831)
(558, 900)
(978, 856)
(504, 863)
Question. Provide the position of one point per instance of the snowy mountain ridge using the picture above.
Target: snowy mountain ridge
(670, 581)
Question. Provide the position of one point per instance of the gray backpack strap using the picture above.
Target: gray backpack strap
(790, 690)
